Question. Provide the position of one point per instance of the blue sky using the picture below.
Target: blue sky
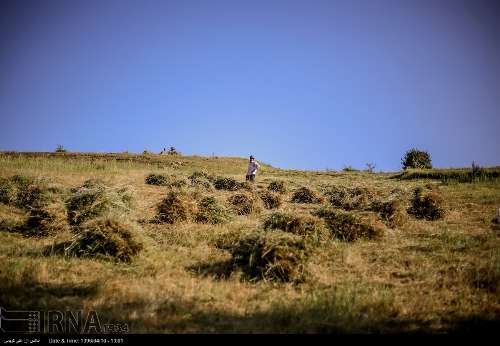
(298, 84)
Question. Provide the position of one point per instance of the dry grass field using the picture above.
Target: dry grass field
(342, 255)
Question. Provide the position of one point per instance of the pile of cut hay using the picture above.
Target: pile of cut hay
(302, 225)
(11, 218)
(109, 237)
(350, 226)
(229, 184)
(177, 182)
(392, 212)
(272, 200)
(211, 211)
(305, 195)
(426, 205)
(176, 207)
(43, 202)
(278, 186)
(349, 198)
(201, 179)
(275, 256)
(157, 179)
(244, 204)
(94, 199)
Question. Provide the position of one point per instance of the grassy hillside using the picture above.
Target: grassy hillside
(353, 260)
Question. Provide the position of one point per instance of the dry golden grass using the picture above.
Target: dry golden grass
(426, 276)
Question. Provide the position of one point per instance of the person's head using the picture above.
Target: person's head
(252, 158)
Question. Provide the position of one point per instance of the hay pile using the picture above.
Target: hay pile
(157, 179)
(43, 202)
(278, 186)
(248, 186)
(210, 211)
(272, 200)
(201, 179)
(305, 195)
(392, 212)
(275, 256)
(46, 219)
(94, 199)
(426, 205)
(177, 182)
(350, 226)
(11, 218)
(228, 184)
(302, 225)
(109, 237)
(349, 198)
(176, 207)
(244, 203)
(25, 192)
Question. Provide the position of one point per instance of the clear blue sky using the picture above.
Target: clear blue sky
(298, 84)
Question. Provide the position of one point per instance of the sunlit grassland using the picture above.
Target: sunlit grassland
(433, 276)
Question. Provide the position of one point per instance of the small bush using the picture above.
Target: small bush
(94, 199)
(157, 179)
(392, 212)
(271, 200)
(176, 207)
(415, 158)
(349, 198)
(229, 184)
(426, 205)
(275, 256)
(108, 237)
(210, 211)
(349, 226)
(244, 204)
(305, 195)
(303, 225)
(278, 186)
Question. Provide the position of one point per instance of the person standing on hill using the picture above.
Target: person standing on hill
(253, 167)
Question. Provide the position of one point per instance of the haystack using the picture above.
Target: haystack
(211, 211)
(176, 207)
(229, 184)
(276, 256)
(278, 186)
(426, 205)
(349, 198)
(201, 179)
(244, 203)
(94, 199)
(272, 200)
(392, 211)
(302, 225)
(157, 179)
(107, 237)
(305, 195)
(350, 226)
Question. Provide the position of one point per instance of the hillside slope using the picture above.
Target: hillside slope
(352, 259)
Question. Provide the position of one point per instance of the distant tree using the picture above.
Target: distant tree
(60, 149)
(370, 167)
(415, 158)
